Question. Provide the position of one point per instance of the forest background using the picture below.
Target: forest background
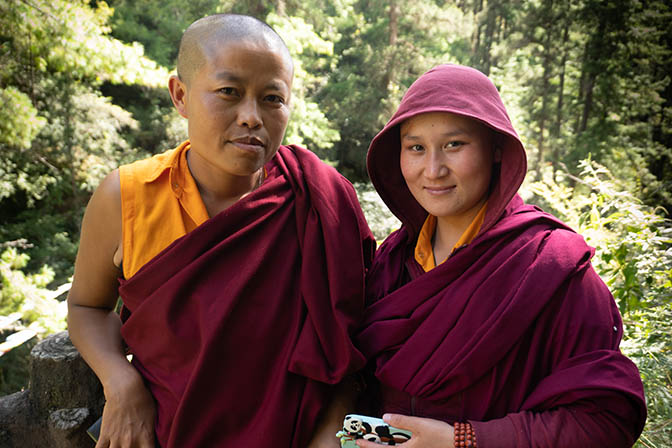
(586, 82)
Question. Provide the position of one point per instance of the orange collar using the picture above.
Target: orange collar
(424, 253)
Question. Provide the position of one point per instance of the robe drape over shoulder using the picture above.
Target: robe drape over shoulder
(240, 326)
(515, 332)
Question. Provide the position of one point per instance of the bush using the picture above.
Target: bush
(634, 257)
(26, 298)
(381, 220)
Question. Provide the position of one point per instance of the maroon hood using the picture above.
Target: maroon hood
(459, 90)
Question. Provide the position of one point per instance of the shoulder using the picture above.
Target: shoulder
(305, 168)
(150, 168)
(309, 161)
(103, 212)
(108, 191)
(566, 247)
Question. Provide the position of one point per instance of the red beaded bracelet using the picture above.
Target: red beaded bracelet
(464, 436)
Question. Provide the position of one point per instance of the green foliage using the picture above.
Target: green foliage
(27, 294)
(15, 367)
(58, 134)
(648, 345)
(18, 124)
(382, 48)
(634, 256)
(82, 88)
(380, 219)
(157, 24)
(313, 58)
(25, 297)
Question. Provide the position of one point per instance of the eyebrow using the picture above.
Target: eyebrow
(227, 76)
(454, 133)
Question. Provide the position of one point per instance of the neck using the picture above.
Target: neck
(219, 191)
(449, 229)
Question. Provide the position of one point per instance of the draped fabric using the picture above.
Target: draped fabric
(515, 332)
(516, 321)
(240, 326)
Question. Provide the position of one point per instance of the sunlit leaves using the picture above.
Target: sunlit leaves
(633, 244)
(312, 55)
(28, 295)
(19, 120)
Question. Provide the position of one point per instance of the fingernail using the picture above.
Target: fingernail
(386, 417)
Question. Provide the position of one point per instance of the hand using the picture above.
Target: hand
(128, 416)
(427, 432)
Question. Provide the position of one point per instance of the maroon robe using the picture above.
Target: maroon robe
(240, 326)
(515, 332)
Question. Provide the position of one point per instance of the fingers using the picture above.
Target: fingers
(366, 444)
(116, 433)
(407, 422)
(144, 441)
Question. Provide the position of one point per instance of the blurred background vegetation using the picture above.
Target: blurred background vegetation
(586, 82)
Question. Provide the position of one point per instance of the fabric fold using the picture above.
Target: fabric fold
(254, 307)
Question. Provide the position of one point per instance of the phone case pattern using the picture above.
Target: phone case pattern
(370, 428)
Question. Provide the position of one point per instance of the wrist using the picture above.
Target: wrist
(122, 380)
(464, 436)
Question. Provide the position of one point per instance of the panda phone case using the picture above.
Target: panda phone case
(373, 429)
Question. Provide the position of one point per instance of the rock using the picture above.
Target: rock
(59, 377)
(67, 427)
(63, 399)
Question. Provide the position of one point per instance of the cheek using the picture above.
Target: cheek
(480, 172)
(277, 123)
(406, 164)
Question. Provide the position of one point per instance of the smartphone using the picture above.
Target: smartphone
(373, 429)
(94, 430)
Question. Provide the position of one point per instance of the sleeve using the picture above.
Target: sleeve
(593, 395)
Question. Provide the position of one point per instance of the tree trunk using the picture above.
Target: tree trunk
(561, 91)
(592, 66)
(392, 43)
(542, 119)
(544, 102)
(587, 102)
(394, 23)
(490, 26)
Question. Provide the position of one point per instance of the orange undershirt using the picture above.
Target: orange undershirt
(160, 203)
(424, 253)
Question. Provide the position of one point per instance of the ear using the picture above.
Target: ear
(178, 93)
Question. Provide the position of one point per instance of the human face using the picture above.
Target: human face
(237, 104)
(446, 160)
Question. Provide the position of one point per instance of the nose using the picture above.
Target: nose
(435, 165)
(248, 114)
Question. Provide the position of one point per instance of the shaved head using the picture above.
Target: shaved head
(221, 29)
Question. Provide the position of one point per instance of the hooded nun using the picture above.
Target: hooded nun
(515, 332)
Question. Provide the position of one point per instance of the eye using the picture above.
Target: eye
(275, 99)
(228, 91)
(456, 144)
(415, 148)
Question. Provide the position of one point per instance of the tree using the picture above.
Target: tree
(383, 48)
(58, 134)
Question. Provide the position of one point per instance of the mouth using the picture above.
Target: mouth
(439, 190)
(248, 143)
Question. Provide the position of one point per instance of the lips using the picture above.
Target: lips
(248, 142)
(437, 190)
